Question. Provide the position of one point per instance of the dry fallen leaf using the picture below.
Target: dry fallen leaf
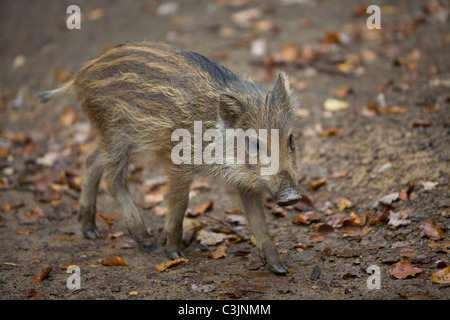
(342, 92)
(381, 216)
(317, 183)
(334, 105)
(441, 276)
(44, 274)
(403, 269)
(440, 247)
(200, 209)
(170, 263)
(432, 231)
(399, 218)
(107, 220)
(300, 219)
(35, 212)
(421, 123)
(329, 132)
(95, 14)
(352, 221)
(25, 232)
(68, 116)
(209, 238)
(220, 252)
(133, 293)
(289, 52)
(344, 204)
(115, 261)
(154, 197)
(339, 174)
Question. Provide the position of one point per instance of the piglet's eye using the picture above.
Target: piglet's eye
(291, 141)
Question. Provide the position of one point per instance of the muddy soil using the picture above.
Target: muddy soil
(393, 137)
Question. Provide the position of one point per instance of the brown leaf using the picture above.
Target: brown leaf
(220, 252)
(25, 232)
(61, 75)
(68, 116)
(403, 196)
(115, 261)
(123, 243)
(95, 14)
(279, 212)
(403, 269)
(44, 274)
(393, 109)
(170, 263)
(35, 212)
(342, 92)
(317, 183)
(339, 174)
(289, 52)
(440, 247)
(107, 220)
(154, 197)
(305, 204)
(300, 219)
(441, 276)
(421, 123)
(8, 207)
(254, 264)
(332, 37)
(200, 209)
(432, 231)
(329, 132)
(382, 216)
(352, 221)
(344, 204)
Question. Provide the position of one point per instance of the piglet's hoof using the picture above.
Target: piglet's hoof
(143, 239)
(174, 253)
(90, 232)
(279, 268)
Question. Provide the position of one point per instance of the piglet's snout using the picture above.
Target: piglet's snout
(288, 196)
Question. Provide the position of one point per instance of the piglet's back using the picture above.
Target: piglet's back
(156, 79)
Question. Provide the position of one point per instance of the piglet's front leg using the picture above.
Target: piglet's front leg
(253, 205)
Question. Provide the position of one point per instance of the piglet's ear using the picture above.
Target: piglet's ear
(282, 90)
(230, 109)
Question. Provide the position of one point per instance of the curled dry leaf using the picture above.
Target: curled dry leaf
(432, 231)
(69, 116)
(25, 232)
(403, 269)
(170, 263)
(44, 274)
(329, 132)
(443, 247)
(399, 218)
(8, 207)
(200, 209)
(154, 197)
(339, 174)
(352, 221)
(220, 252)
(334, 105)
(380, 217)
(115, 261)
(441, 276)
(344, 204)
(317, 183)
(35, 212)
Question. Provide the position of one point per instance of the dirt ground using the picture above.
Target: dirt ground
(390, 138)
